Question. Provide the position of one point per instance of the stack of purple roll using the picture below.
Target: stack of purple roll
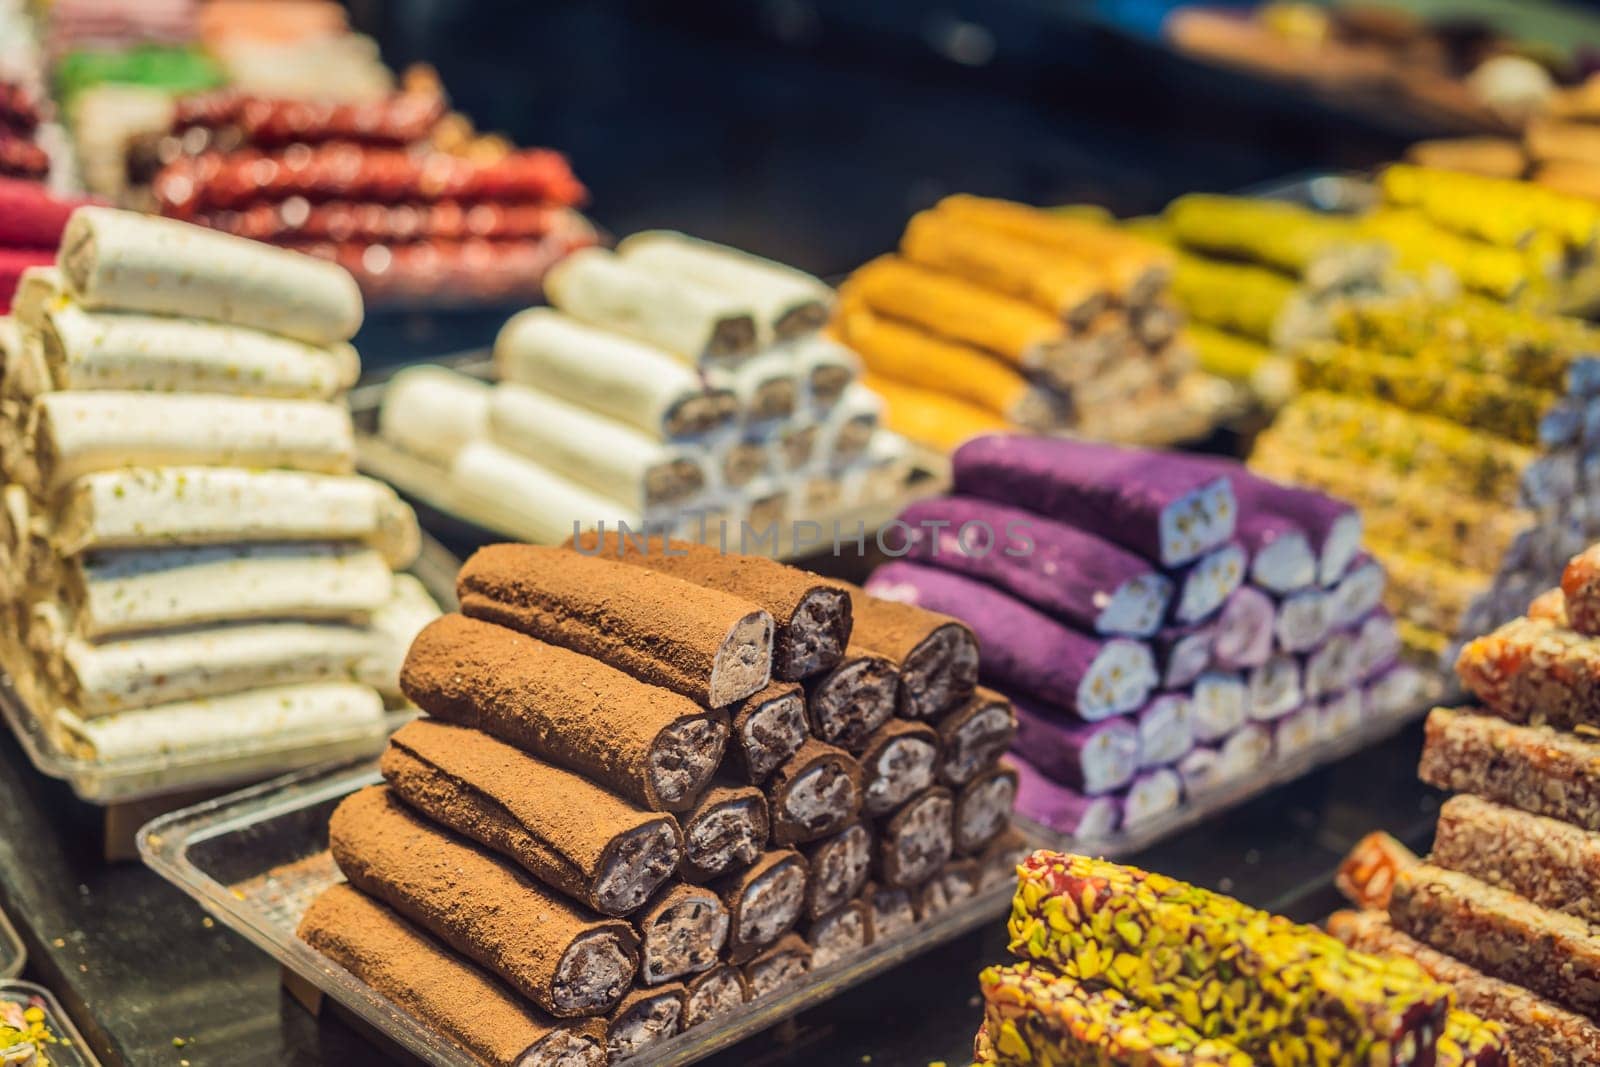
(1167, 625)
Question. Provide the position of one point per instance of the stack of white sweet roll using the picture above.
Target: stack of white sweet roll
(674, 381)
(189, 563)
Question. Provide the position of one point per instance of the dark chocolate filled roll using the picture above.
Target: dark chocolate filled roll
(816, 793)
(983, 808)
(714, 994)
(562, 828)
(811, 615)
(644, 1019)
(917, 840)
(562, 957)
(653, 746)
(681, 932)
(853, 698)
(710, 646)
(889, 911)
(899, 761)
(974, 736)
(839, 934)
(839, 866)
(442, 990)
(763, 902)
(778, 966)
(725, 831)
(767, 728)
(937, 655)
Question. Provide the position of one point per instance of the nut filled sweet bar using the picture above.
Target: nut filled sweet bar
(917, 840)
(1026, 651)
(766, 728)
(1079, 578)
(645, 1018)
(853, 699)
(1093, 758)
(1064, 809)
(681, 933)
(778, 966)
(1245, 630)
(1550, 863)
(1182, 653)
(567, 832)
(983, 808)
(563, 707)
(1207, 582)
(1166, 730)
(815, 793)
(726, 830)
(713, 994)
(1267, 978)
(1540, 1033)
(1281, 557)
(559, 955)
(1532, 768)
(839, 935)
(1532, 671)
(839, 866)
(974, 736)
(937, 653)
(763, 902)
(898, 761)
(1580, 585)
(1554, 954)
(1169, 513)
(433, 984)
(710, 646)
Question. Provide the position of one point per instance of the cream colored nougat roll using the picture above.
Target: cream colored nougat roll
(131, 262)
(768, 386)
(826, 369)
(434, 412)
(38, 289)
(848, 428)
(534, 502)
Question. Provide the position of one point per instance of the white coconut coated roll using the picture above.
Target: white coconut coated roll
(434, 412)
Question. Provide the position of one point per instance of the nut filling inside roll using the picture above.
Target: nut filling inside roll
(828, 382)
(772, 399)
(743, 666)
(902, 768)
(563, 1049)
(804, 318)
(815, 636)
(799, 444)
(594, 972)
(838, 936)
(779, 971)
(640, 860)
(732, 338)
(684, 938)
(686, 753)
(839, 869)
(773, 733)
(742, 462)
(701, 414)
(771, 903)
(984, 809)
(854, 700)
(940, 671)
(718, 993)
(672, 482)
(977, 743)
(820, 797)
(649, 1021)
(921, 840)
(728, 836)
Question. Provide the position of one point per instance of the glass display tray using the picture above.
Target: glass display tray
(74, 1053)
(12, 955)
(1275, 772)
(124, 780)
(222, 853)
(430, 484)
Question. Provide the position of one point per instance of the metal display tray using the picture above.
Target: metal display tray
(231, 855)
(489, 519)
(72, 1051)
(118, 781)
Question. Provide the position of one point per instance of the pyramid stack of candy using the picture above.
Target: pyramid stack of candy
(1120, 966)
(655, 783)
(189, 564)
(1166, 624)
(1504, 907)
(996, 315)
(675, 382)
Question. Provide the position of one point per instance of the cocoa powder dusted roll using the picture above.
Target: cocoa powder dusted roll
(983, 808)
(725, 831)
(918, 840)
(562, 828)
(899, 761)
(957, 882)
(839, 866)
(681, 932)
(434, 984)
(816, 793)
(840, 934)
(766, 729)
(652, 746)
(560, 956)
(782, 964)
(811, 615)
(710, 646)
(763, 901)
(889, 911)
(937, 655)
(644, 1019)
(714, 994)
(853, 698)
(974, 736)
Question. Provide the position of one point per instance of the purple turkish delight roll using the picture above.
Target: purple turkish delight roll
(1359, 592)
(1219, 706)
(1332, 527)
(1303, 620)
(1332, 667)
(1167, 510)
(1091, 757)
(1244, 630)
(1206, 583)
(1152, 795)
(1201, 770)
(1399, 690)
(1377, 644)
(1281, 559)
(1296, 732)
(1026, 652)
(1166, 730)
(1182, 653)
(1083, 580)
(1340, 715)
(1064, 810)
(1275, 688)
(1245, 751)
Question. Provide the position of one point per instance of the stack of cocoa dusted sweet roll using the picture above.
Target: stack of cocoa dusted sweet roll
(187, 561)
(1504, 908)
(654, 783)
